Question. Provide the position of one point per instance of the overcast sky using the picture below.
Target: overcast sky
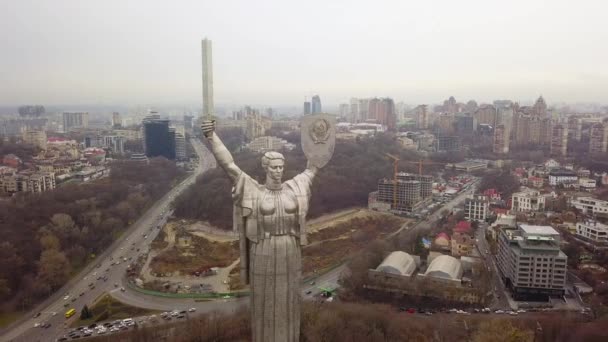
(277, 52)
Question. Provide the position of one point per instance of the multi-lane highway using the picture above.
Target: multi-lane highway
(106, 273)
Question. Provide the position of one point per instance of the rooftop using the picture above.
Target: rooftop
(538, 230)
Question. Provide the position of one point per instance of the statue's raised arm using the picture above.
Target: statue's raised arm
(220, 152)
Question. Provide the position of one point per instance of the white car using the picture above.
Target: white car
(36, 325)
(191, 309)
(66, 297)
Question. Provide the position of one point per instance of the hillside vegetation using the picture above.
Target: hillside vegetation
(346, 181)
(47, 237)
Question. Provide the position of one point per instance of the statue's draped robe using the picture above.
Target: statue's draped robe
(270, 252)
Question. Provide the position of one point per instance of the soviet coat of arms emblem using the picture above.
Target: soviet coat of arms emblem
(318, 138)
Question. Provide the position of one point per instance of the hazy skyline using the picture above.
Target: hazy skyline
(278, 52)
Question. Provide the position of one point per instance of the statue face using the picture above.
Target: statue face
(274, 170)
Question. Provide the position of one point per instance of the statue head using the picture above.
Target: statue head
(273, 163)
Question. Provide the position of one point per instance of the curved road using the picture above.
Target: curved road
(105, 275)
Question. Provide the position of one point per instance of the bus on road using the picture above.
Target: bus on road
(70, 313)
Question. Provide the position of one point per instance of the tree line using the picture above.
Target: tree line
(49, 236)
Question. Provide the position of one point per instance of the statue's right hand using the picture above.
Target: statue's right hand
(208, 127)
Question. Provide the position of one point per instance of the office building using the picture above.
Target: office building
(316, 105)
(531, 262)
(447, 143)
(598, 138)
(593, 231)
(476, 208)
(159, 139)
(527, 200)
(307, 108)
(465, 125)
(75, 120)
(559, 140)
(207, 59)
(590, 205)
(180, 147)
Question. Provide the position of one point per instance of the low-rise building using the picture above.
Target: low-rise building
(476, 208)
(562, 177)
(590, 205)
(536, 182)
(444, 268)
(527, 200)
(462, 244)
(399, 263)
(586, 184)
(28, 181)
(471, 165)
(531, 262)
(593, 231)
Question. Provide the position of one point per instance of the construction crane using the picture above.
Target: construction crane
(395, 171)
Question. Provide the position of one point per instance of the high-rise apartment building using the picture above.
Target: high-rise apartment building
(116, 120)
(559, 140)
(598, 138)
(75, 120)
(36, 138)
(208, 107)
(531, 262)
(344, 110)
(575, 128)
(485, 114)
(423, 117)
(159, 139)
(354, 111)
(501, 140)
(540, 108)
(316, 104)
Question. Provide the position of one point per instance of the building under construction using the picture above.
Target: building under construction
(413, 192)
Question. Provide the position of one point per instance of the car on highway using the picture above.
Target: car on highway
(191, 309)
(37, 315)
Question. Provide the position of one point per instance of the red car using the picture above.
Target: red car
(411, 310)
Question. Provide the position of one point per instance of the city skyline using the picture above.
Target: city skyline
(119, 55)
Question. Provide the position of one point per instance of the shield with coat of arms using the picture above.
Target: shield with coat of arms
(318, 134)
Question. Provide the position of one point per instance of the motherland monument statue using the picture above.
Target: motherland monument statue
(271, 221)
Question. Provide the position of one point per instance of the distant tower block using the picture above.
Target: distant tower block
(208, 108)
